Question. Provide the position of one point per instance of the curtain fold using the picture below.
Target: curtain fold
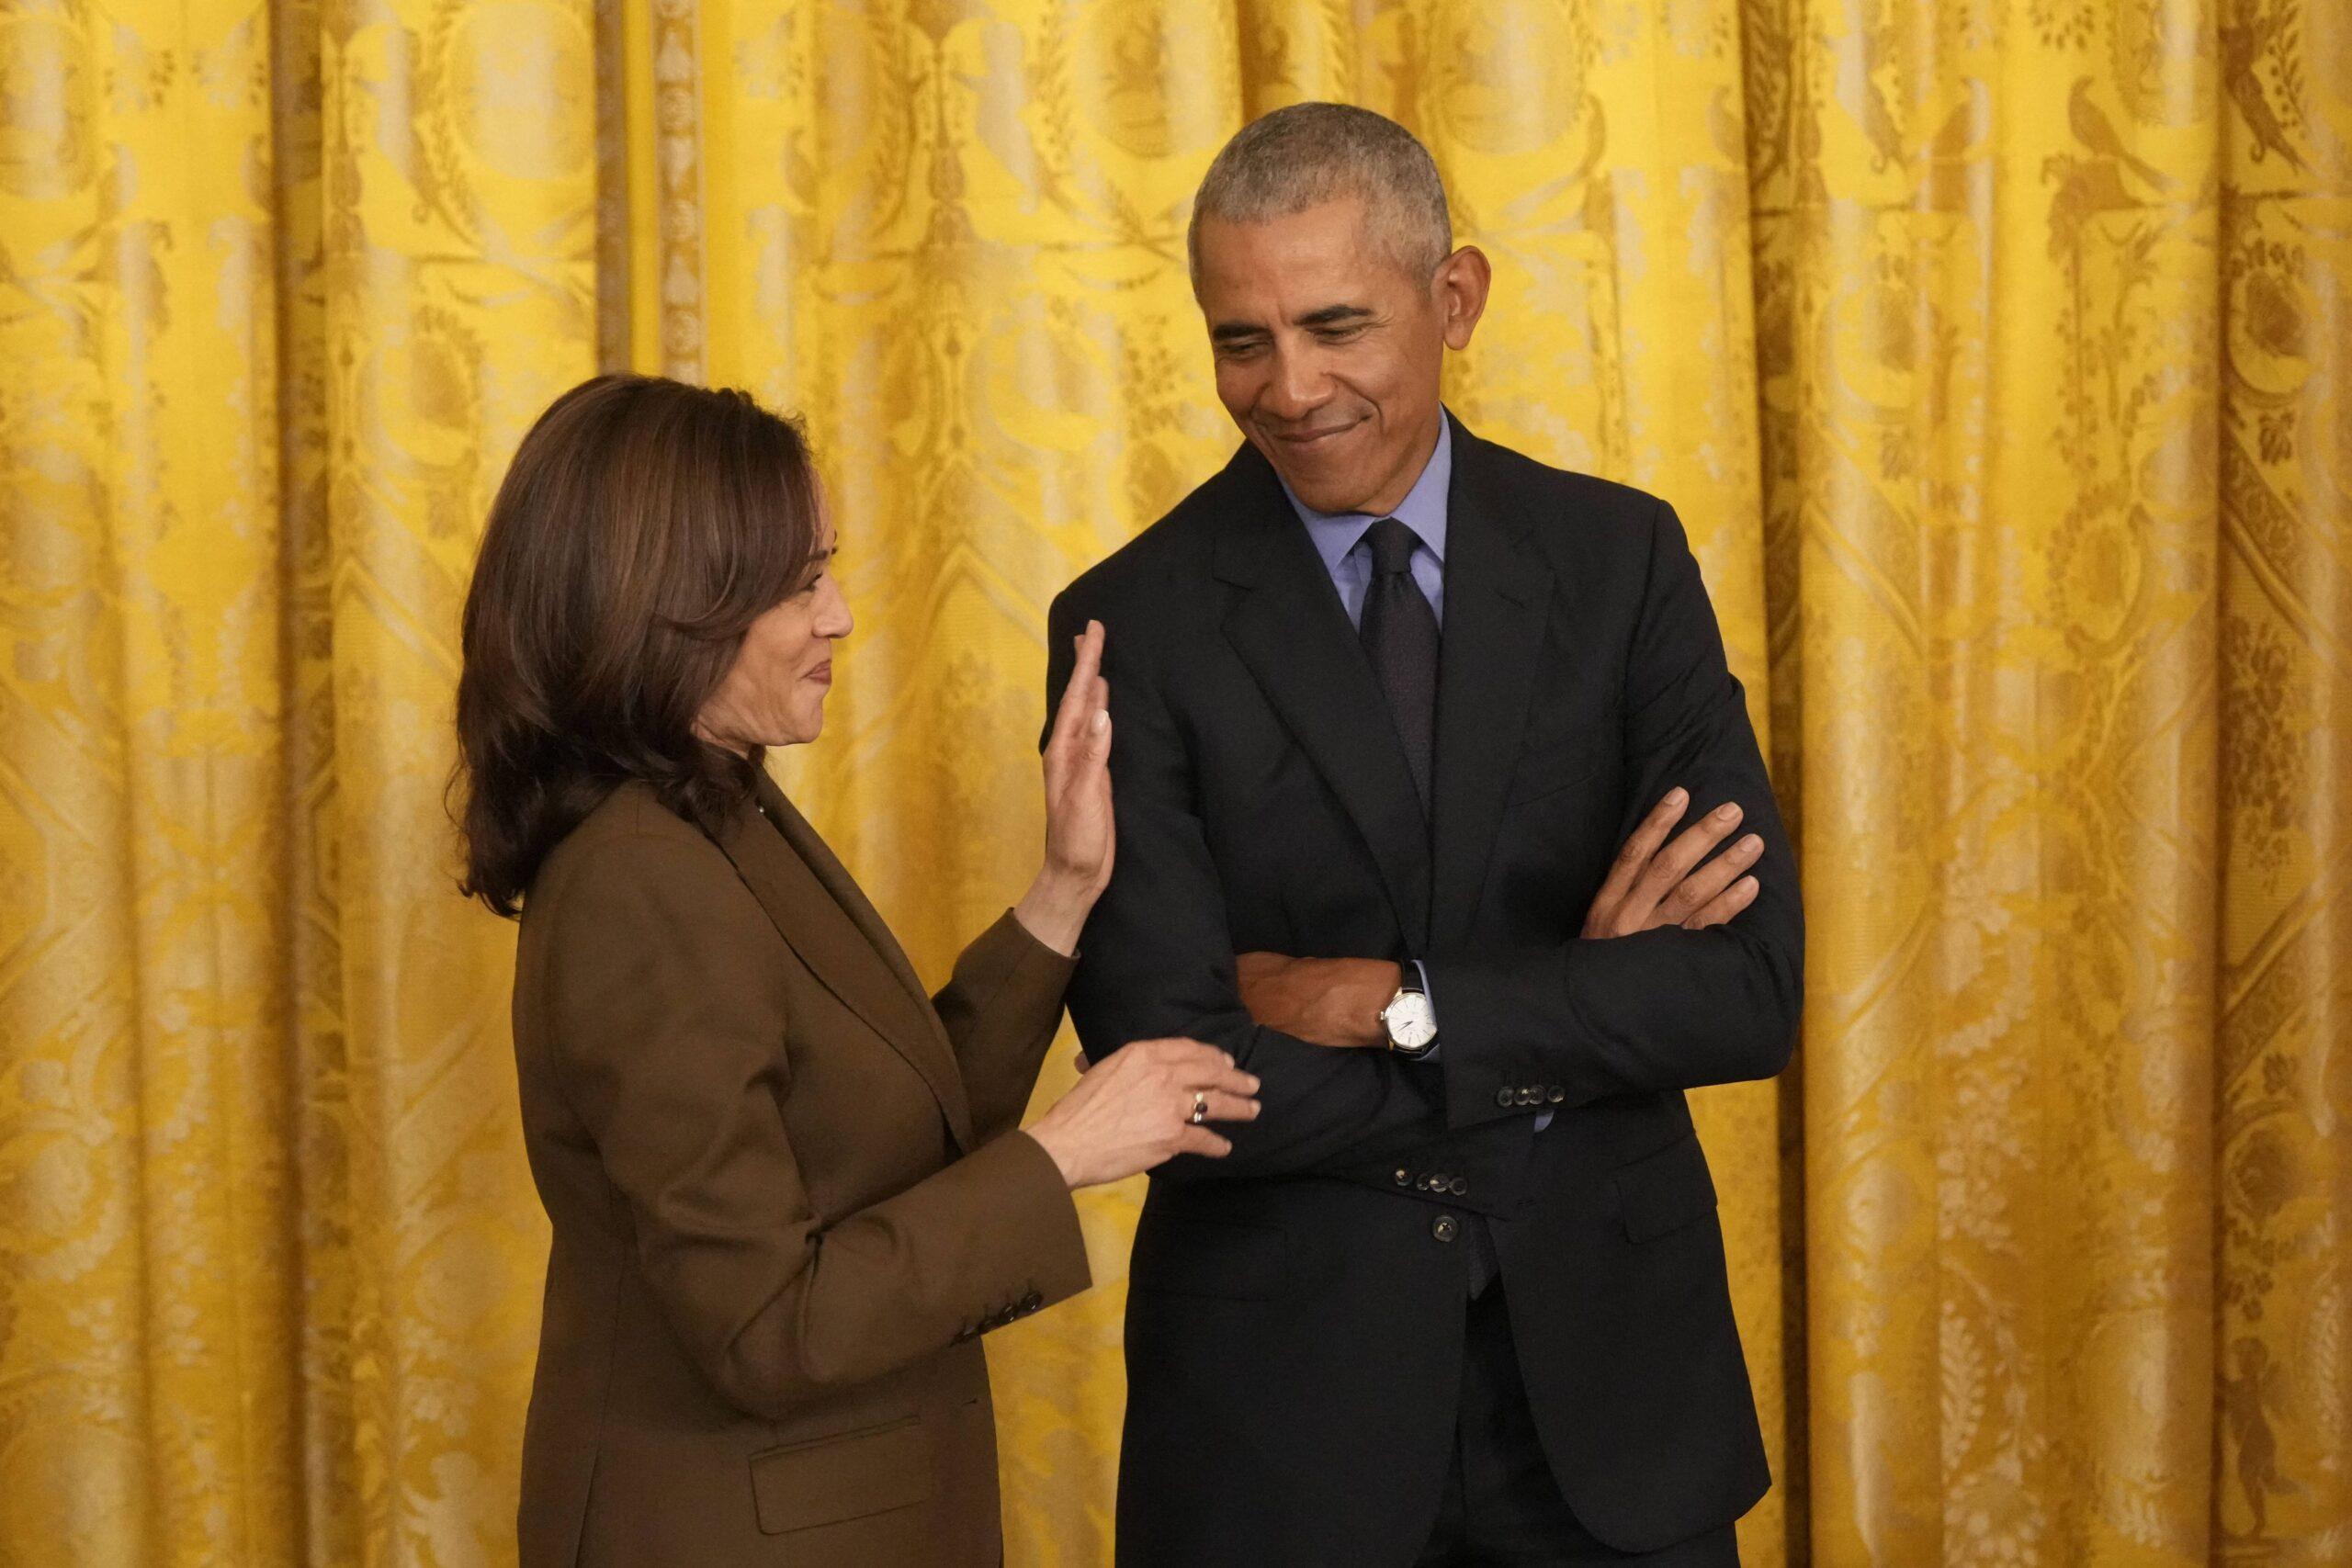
(1993, 356)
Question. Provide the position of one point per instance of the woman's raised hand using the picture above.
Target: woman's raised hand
(1129, 1113)
(1080, 840)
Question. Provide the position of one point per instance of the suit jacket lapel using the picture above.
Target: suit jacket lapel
(1498, 596)
(818, 909)
(1289, 628)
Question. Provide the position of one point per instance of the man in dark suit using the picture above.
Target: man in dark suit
(1389, 703)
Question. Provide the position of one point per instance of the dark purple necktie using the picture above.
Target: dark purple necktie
(1399, 632)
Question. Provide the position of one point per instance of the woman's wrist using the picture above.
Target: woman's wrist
(1053, 911)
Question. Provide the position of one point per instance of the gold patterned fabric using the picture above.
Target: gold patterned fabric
(1995, 355)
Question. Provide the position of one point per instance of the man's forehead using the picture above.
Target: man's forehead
(1291, 265)
(1281, 269)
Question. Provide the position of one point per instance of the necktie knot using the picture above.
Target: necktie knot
(1392, 546)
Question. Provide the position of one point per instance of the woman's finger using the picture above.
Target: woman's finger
(1224, 1107)
(1225, 1080)
(1079, 696)
(1184, 1060)
(1192, 1140)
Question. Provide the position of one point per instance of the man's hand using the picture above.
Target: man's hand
(1337, 1001)
(1650, 886)
(1324, 1001)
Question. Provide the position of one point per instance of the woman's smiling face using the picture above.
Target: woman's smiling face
(774, 695)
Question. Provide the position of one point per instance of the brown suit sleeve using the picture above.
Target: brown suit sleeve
(666, 1022)
(1001, 1009)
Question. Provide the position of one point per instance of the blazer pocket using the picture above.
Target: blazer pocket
(829, 1480)
(1662, 1192)
(1179, 1255)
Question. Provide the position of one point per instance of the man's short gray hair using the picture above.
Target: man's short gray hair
(1307, 154)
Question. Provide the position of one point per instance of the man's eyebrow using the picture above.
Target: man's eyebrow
(1328, 316)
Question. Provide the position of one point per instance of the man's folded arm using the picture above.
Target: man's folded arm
(1663, 1008)
(1156, 959)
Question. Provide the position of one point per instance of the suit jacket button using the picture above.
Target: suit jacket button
(1443, 1227)
(1556, 1094)
(1403, 1176)
(1457, 1186)
(1031, 1301)
(1505, 1096)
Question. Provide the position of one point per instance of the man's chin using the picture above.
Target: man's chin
(1321, 491)
(1329, 502)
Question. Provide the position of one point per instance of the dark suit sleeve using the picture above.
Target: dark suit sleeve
(1156, 959)
(1001, 1009)
(666, 1044)
(1662, 1009)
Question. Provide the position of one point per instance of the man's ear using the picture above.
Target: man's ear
(1461, 284)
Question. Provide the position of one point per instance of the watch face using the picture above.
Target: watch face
(1411, 1023)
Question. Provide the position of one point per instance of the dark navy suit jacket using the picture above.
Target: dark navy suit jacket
(1296, 1310)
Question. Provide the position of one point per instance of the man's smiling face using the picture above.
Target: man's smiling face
(1329, 352)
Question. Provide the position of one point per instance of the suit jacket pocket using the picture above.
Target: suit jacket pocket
(831, 1480)
(1663, 1191)
(1176, 1255)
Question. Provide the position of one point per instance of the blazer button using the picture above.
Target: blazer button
(1031, 1301)
(1505, 1097)
(1557, 1095)
(1457, 1186)
(1443, 1227)
(1403, 1176)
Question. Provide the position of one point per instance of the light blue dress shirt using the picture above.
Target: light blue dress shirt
(1338, 538)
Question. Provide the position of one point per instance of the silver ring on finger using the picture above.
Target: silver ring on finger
(1200, 1107)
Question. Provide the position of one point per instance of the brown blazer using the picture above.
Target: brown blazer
(787, 1196)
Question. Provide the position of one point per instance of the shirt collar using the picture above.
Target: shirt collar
(1334, 533)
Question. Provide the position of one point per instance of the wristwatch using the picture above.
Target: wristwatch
(1411, 1021)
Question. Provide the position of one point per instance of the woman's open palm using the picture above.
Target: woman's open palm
(1080, 836)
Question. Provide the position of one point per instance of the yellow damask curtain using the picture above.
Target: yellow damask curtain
(1995, 356)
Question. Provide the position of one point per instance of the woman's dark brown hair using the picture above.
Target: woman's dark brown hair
(644, 526)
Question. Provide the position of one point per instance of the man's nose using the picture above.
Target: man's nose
(1297, 387)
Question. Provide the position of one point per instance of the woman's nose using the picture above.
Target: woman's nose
(833, 619)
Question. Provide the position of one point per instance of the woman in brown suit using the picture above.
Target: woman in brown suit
(787, 1187)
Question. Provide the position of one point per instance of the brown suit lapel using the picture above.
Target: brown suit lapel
(819, 910)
